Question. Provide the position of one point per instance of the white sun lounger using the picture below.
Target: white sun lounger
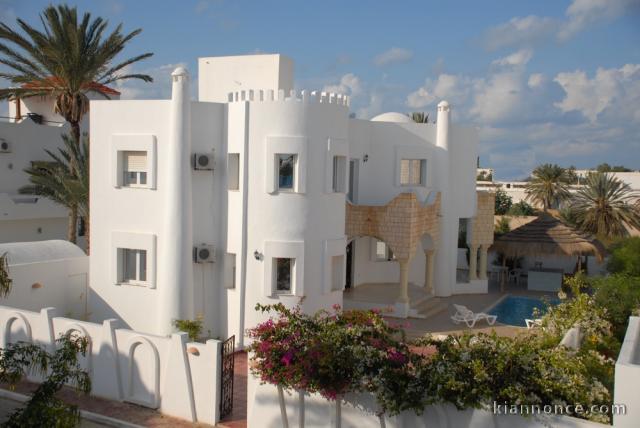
(467, 316)
(531, 323)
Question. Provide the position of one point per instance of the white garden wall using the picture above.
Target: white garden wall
(177, 377)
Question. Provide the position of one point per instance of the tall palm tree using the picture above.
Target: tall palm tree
(548, 186)
(66, 60)
(604, 205)
(419, 117)
(58, 180)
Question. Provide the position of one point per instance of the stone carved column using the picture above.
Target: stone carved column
(428, 270)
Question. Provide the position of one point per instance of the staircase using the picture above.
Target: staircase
(429, 308)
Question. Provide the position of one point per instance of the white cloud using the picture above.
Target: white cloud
(349, 84)
(536, 80)
(393, 55)
(592, 96)
(582, 13)
(453, 88)
(373, 107)
(520, 31)
(516, 59)
(529, 30)
(160, 88)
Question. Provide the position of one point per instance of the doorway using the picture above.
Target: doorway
(348, 284)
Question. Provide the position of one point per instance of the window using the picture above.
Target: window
(339, 170)
(337, 273)
(134, 167)
(283, 269)
(286, 171)
(230, 267)
(133, 266)
(233, 171)
(383, 252)
(413, 172)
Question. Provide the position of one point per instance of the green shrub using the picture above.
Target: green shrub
(503, 202)
(192, 327)
(503, 226)
(619, 296)
(625, 257)
(44, 409)
(521, 208)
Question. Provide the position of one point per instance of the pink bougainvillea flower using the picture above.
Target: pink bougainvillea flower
(287, 358)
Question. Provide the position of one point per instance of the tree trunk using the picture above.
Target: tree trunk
(75, 131)
(72, 225)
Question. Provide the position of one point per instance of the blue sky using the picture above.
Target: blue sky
(544, 81)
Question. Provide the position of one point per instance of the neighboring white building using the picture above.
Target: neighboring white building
(253, 193)
(31, 128)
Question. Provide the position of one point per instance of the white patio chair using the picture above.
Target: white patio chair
(531, 323)
(466, 315)
(514, 275)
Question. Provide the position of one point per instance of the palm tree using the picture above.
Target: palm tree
(63, 183)
(65, 60)
(419, 117)
(604, 205)
(548, 186)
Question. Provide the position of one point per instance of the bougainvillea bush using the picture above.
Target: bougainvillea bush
(340, 352)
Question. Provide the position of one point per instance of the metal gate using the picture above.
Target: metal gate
(226, 386)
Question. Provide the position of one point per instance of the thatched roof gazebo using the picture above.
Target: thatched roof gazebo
(546, 236)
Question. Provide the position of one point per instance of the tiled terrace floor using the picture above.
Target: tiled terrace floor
(238, 416)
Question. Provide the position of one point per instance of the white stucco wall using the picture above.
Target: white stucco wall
(45, 274)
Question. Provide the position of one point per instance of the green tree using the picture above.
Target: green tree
(419, 117)
(503, 202)
(605, 167)
(65, 60)
(604, 205)
(548, 186)
(61, 367)
(625, 257)
(521, 208)
(64, 184)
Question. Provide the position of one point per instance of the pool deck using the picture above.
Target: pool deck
(441, 324)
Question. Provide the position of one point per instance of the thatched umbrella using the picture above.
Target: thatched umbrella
(545, 236)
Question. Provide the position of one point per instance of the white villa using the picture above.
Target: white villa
(258, 193)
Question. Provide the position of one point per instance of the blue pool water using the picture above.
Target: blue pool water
(513, 310)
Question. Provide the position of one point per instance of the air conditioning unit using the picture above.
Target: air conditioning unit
(5, 146)
(203, 161)
(204, 254)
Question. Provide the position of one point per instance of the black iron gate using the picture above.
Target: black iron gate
(226, 386)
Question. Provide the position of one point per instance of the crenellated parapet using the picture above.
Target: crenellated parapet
(303, 96)
(481, 226)
(401, 223)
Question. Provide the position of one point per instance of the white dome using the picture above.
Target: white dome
(392, 116)
(19, 253)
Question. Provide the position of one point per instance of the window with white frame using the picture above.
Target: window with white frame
(283, 275)
(286, 169)
(339, 173)
(413, 172)
(233, 171)
(132, 267)
(230, 267)
(134, 168)
(382, 252)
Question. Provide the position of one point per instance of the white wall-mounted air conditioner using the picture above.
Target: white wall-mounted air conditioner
(203, 161)
(204, 253)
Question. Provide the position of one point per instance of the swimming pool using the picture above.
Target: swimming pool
(513, 310)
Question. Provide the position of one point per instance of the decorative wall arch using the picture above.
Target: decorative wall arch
(154, 402)
(9, 323)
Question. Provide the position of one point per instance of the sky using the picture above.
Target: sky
(543, 81)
